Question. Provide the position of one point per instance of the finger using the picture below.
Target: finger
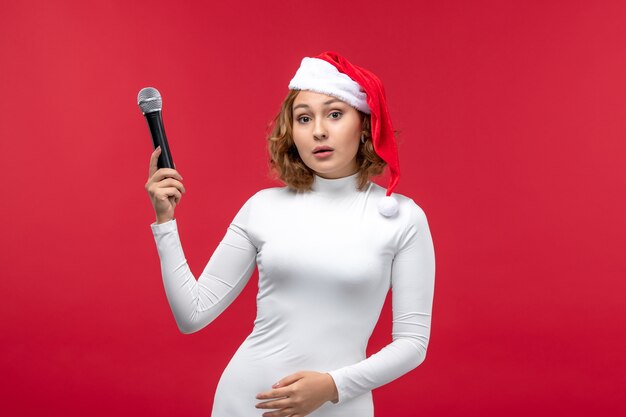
(289, 379)
(166, 173)
(274, 404)
(168, 192)
(285, 412)
(275, 393)
(154, 187)
(154, 158)
(171, 182)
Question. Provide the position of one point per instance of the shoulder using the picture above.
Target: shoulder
(409, 211)
(256, 204)
(265, 197)
(268, 194)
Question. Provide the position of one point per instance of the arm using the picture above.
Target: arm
(412, 280)
(195, 304)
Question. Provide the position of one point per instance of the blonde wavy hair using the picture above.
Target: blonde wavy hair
(285, 162)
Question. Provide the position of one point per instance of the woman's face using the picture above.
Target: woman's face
(322, 121)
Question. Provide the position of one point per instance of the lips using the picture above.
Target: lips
(322, 149)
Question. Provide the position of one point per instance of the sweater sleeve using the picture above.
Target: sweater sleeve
(196, 303)
(412, 281)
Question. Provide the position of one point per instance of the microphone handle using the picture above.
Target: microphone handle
(155, 123)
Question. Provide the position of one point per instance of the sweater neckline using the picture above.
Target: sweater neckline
(335, 186)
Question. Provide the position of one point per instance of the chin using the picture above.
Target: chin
(329, 172)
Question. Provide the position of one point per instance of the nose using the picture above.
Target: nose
(319, 132)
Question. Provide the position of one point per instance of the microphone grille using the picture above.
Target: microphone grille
(149, 100)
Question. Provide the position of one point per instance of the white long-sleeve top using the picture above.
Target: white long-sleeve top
(326, 260)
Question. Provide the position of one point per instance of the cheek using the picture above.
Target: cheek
(299, 144)
(298, 133)
(353, 145)
(355, 149)
(351, 137)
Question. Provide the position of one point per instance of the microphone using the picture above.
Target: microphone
(149, 100)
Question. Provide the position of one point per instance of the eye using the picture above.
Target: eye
(338, 113)
(299, 119)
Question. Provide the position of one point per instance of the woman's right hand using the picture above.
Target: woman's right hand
(164, 188)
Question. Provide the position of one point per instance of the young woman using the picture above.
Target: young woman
(328, 246)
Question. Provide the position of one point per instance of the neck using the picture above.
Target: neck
(331, 186)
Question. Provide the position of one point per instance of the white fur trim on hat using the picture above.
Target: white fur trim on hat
(320, 76)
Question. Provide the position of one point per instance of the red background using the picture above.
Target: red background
(512, 119)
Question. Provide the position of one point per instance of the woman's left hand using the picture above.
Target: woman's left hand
(306, 391)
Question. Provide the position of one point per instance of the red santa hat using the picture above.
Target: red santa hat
(330, 73)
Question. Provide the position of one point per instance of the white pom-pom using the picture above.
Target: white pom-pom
(388, 206)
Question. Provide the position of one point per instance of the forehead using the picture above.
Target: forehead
(314, 98)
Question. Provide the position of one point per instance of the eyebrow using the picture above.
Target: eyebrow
(326, 103)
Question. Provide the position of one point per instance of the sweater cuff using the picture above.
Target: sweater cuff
(163, 228)
(338, 377)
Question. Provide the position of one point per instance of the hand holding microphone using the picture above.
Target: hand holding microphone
(164, 188)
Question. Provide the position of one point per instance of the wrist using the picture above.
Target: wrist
(334, 394)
